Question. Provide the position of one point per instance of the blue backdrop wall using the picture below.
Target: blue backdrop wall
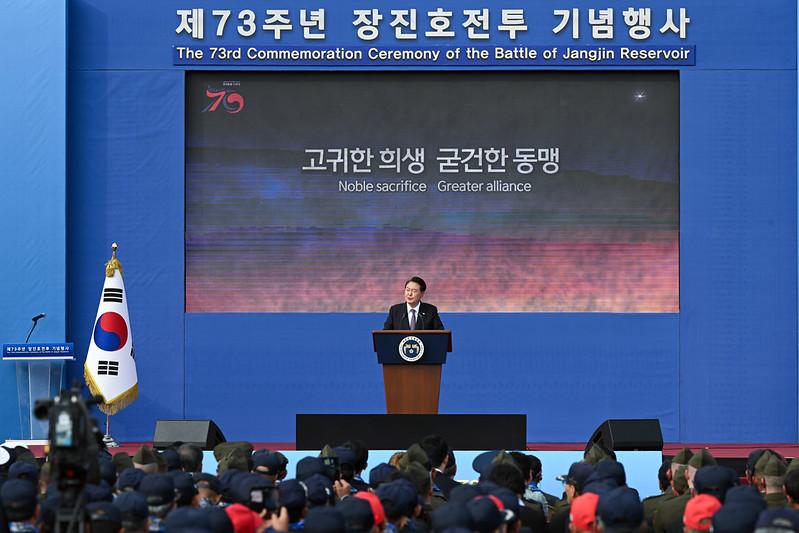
(730, 351)
(33, 151)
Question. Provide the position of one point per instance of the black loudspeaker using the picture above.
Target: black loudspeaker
(203, 433)
(627, 435)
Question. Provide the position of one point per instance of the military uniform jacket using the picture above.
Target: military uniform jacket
(668, 517)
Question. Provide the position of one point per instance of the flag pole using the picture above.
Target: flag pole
(110, 367)
(108, 440)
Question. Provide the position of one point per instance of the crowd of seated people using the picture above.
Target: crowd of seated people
(417, 491)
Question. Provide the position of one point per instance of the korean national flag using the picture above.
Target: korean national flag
(110, 368)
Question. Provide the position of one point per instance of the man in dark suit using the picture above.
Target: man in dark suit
(413, 313)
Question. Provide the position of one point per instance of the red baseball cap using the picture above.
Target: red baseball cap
(377, 507)
(244, 519)
(583, 511)
(699, 512)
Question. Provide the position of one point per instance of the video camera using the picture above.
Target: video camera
(75, 443)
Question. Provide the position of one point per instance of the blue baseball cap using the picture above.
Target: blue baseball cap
(130, 479)
(452, 515)
(357, 513)
(98, 493)
(184, 486)
(108, 472)
(736, 518)
(399, 498)
(19, 499)
(715, 480)
(620, 508)
(318, 490)
(578, 475)
(188, 518)
(380, 474)
(220, 521)
(292, 494)
(159, 489)
(325, 520)
(779, 518)
(266, 462)
(486, 513)
(308, 466)
(481, 462)
(610, 472)
(207, 481)
(226, 480)
(597, 487)
(745, 494)
(248, 489)
(104, 517)
(464, 493)
(171, 458)
(345, 456)
(24, 470)
(132, 506)
(510, 501)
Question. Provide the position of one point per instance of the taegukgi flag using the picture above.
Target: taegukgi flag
(110, 368)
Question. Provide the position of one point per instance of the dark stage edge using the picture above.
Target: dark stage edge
(398, 432)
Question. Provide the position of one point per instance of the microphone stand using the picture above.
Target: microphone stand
(35, 321)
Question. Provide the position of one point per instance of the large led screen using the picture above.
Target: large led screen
(506, 191)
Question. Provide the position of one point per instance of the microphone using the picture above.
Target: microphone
(35, 321)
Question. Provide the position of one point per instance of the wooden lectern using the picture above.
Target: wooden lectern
(412, 362)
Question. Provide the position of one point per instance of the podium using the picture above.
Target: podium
(412, 362)
(40, 369)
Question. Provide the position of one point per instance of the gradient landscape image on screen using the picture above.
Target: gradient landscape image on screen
(506, 191)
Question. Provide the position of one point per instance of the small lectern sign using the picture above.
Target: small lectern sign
(45, 351)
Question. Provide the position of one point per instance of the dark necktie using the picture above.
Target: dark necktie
(413, 318)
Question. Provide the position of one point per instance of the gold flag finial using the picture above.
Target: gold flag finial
(113, 263)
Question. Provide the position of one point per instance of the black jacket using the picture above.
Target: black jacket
(427, 319)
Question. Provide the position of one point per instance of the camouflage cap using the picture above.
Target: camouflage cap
(753, 458)
(774, 467)
(794, 465)
(122, 461)
(596, 453)
(419, 476)
(234, 459)
(327, 451)
(679, 481)
(761, 463)
(682, 457)
(415, 454)
(702, 458)
(223, 448)
(145, 456)
(504, 457)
